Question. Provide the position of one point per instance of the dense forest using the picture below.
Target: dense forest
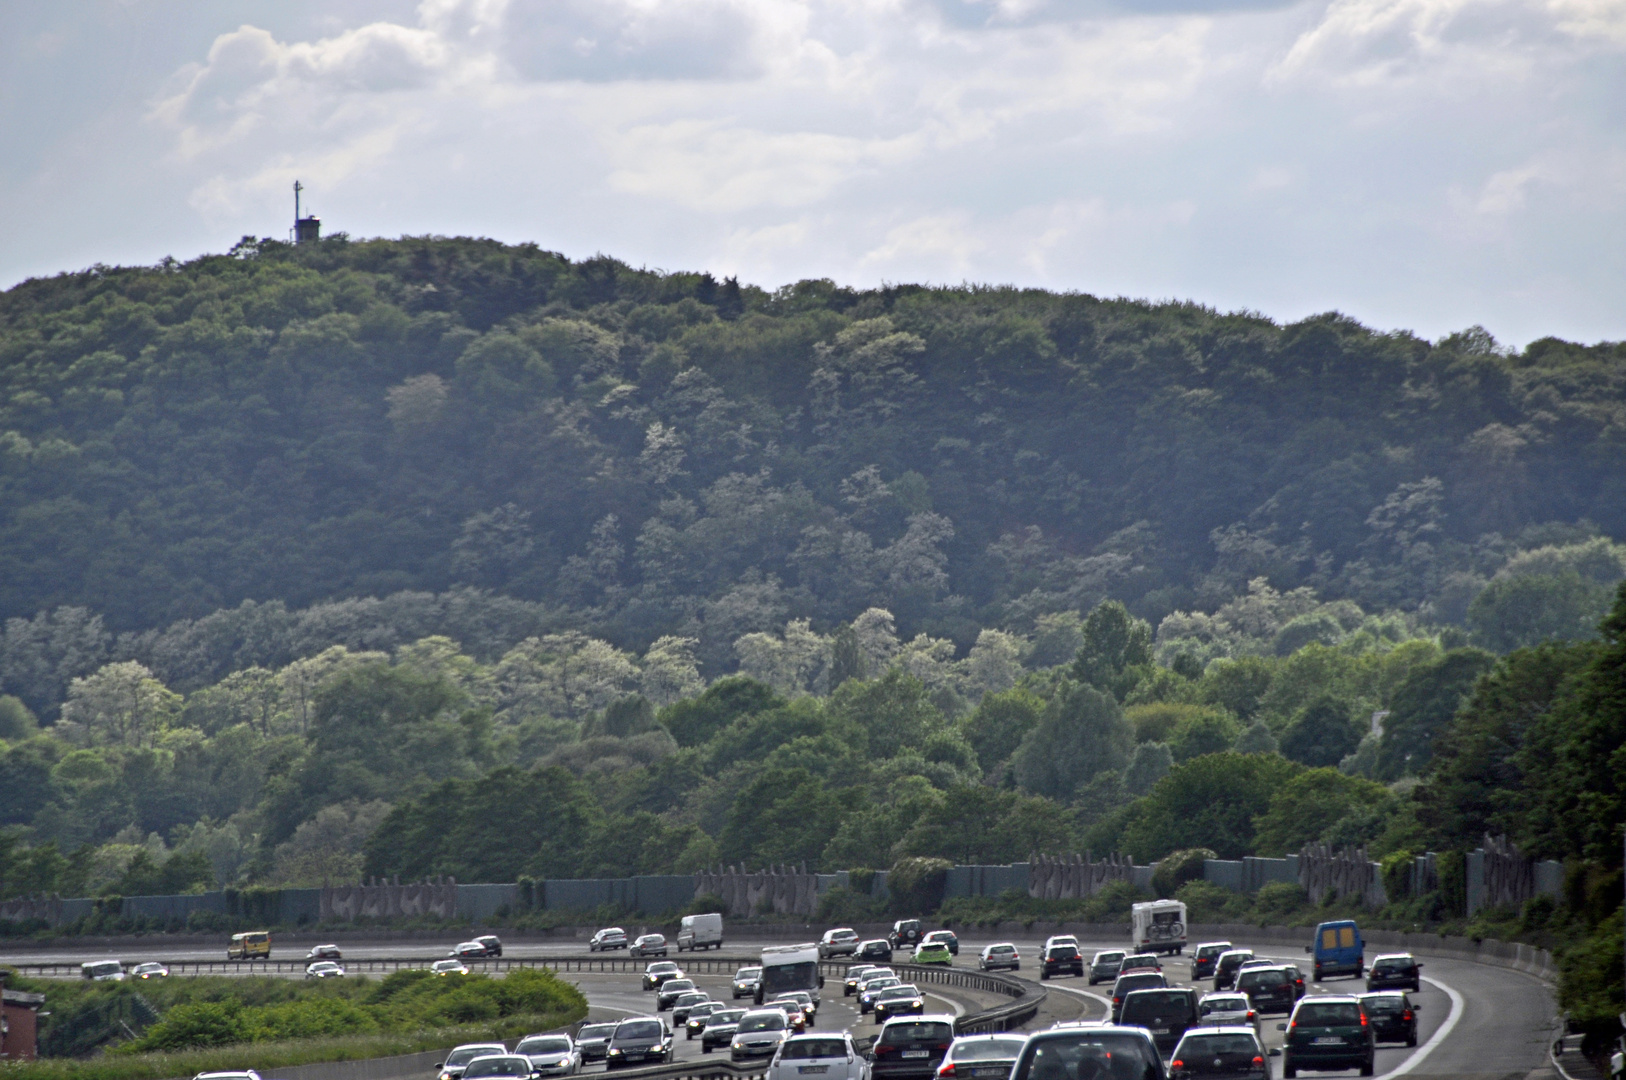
(331, 560)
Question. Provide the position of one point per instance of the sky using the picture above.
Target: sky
(1424, 165)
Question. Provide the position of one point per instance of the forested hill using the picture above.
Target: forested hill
(548, 445)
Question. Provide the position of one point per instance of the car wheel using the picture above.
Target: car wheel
(1411, 1040)
(1289, 1071)
(1043, 975)
(704, 1049)
(1368, 1067)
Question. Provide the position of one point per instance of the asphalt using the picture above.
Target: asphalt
(1477, 1022)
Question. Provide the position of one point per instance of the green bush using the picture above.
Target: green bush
(916, 885)
(187, 1027)
(1279, 902)
(1179, 868)
(1208, 902)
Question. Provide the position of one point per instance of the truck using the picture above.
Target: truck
(700, 932)
(789, 967)
(1158, 926)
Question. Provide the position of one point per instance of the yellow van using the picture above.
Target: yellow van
(254, 945)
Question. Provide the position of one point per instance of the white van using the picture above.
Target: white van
(700, 932)
(1158, 926)
(103, 971)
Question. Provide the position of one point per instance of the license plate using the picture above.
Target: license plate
(809, 1069)
(914, 1053)
(1329, 1040)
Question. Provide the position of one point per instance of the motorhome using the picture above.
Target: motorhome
(700, 932)
(1158, 926)
(789, 967)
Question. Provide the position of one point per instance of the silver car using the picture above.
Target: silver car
(551, 1055)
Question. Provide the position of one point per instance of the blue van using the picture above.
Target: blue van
(1338, 950)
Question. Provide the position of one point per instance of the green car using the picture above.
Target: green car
(1328, 1033)
(932, 952)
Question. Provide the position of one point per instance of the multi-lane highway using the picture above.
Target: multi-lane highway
(1477, 1021)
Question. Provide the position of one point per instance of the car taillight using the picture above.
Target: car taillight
(1250, 1014)
(1405, 1015)
(941, 1046)
(883, 1049)
(946, 1069)
(1363, 1019)
(1258, 1061)
(1177, 1064)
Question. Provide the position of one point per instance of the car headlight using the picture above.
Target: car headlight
(614, 1051)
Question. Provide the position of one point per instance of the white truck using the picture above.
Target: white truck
(1158, 926)
(789, 967)
(700, 932)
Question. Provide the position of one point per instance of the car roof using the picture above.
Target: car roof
(1329, 999)
(1393, 956)
(1058, 1031)
(991, 1035)
(1381, 993)
(922, 1018)
(1222, 1029)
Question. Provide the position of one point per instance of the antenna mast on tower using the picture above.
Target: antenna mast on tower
(306, 229)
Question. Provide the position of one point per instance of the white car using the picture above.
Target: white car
(551, 1055)
(982, 1057)
(324, 969)
(759, 1034)
(458, 1060)
(449, 967)
(1061, 939)
(1226, 1009)
(1001, 955)
(611, 937)
(829, 1056)
(246, 1074)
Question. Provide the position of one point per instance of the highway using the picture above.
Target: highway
(1477, 1022)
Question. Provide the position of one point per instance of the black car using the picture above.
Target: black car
(1269, 989)
(695, 1022)
(898, 1001)
(685, 1002)
(720, 1028)
(492, 943)
(1061, 960)
(1225, 967)
(1328, 1033)
(669, 991)
(659, 972)
(1127, 984)
(1232, 1052)
(856, 974)
(1166, 1013)
(875, 949)
(1392, 1015)
(946, 937)
(911, 1046)
(640, 1040)
(906, 932)
(1202, 961)
(1089, 1050)
(1397, 971)
(593, 1040)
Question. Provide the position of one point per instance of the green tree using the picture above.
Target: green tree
(889, 713)
(1210, 802)
(1423, 705)
(1514, 612)
(783, 816)
(1117, 650)
(1322, 733)
(1001, 722)
(1309, 805)
(695, 720)
(1083, 732)
(1238, 685)
(1204, 731)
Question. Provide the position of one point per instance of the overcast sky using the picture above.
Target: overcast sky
(1418, 164)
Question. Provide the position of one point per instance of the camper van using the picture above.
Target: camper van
(700, 932)
(1158, 926)
(789, 967)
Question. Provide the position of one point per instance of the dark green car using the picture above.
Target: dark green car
(1328, 1033)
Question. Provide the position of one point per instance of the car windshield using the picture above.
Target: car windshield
(674, 986)
(1208, 952)
(892, 993)
(1391, 965)
(996, 949)
(1152, 1001)
(719, 1017)
(497, 1066)
(692, 999)
(467, 1054)
(702, 1009)
(1063, 952)
(987, 1050)
(748, 973)
(1138, 982)
(1265, 977)
(1228, 1048)
(765, 1021)
(877, 985)
(1328, 1012)
(1225, 1005)
(814, 1048)
(1383, 1004)
(1109, 958)
(1090, 1055)
(447, 965)
(596, 1031)
(547, 1044)
(1234, 959)
(637, 1029)
(917, 1031)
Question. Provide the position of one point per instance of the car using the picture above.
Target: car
(1127, 984)
(696, 1021)
(659, 972)
(611, 937)
(1297, 976)
(551, 1055)
(1166, 1013)
(499, 1065)
(1232, 1052)
(906, 932)
(593, 1041)
(830, 1057)
(981, 1057)
(947, 937)
(1061, 939)
(449, 967)
(469, 950)
(641, 1040)
(842, 941)
(1227, 1009)
(900, 1000)
(874, 949)
(668, 992)
(460, 1056)
(1104, 965)
(720, 1028)
(245, 1074)
(1060, 959)
(871, 987)
(1394, 971)
(1328, 1032)
(324, 969)
(911, 1046)
(1392, 1015)
(856, 974)
(1225, 967)
(758, 1034)
(152, 969)
(1202, 961)
(1001, 956)
(329, 951)
(685, 1002)
(700, 932)
(932, 952)
(793, 1012)
(1269, 989)
(648, 945)
(1089, 1050)
(103, 970)
(810, 1007)
(746, 981)
(1140, 962)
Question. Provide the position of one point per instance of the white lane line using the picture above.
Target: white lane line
(1106, 1003)
(959, 1010)
(1421, 1053)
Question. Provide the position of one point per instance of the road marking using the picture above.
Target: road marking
(1106, 1003)
(1421, 1053)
